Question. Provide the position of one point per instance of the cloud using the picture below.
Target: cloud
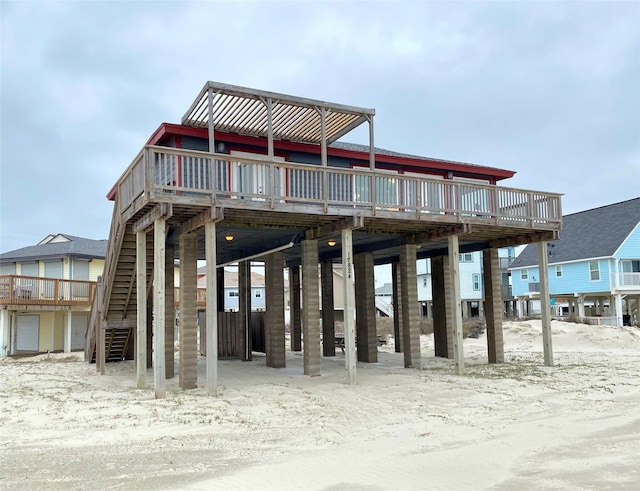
(548, 89)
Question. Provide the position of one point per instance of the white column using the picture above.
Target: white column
(159, 307)
(67, 331)
(581, 306)
(212, 308)
(349, 306)
(545, 311)
(456, 314)
(141, 307)
(5, 329)
(618, 300)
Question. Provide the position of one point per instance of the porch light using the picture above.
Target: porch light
(331, 242)
(228, 238)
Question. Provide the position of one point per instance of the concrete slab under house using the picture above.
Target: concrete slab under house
(253, 175)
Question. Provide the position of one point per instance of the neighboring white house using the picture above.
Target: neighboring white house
(471, 284)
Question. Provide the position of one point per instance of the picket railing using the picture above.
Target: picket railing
(34, 290)
(178, 175)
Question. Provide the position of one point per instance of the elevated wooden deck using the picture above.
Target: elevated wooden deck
(17, 290)
(262, 205)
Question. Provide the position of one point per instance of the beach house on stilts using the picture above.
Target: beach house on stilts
(256, 175)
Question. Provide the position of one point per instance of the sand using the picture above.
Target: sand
(517, 425)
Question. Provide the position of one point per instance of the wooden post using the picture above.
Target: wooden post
(169, 313)
(410, 318)
(456, 314)
(212, 308)
(188, 334)
(397, 306)
(141, 307)
(493, 309)
(100, 362)
(310, 309)
(244, 311)
(296, 310)
(545, 308)
(349, 306)
(328, 317)
(159, 272)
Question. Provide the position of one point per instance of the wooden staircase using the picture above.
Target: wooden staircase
(114, 307)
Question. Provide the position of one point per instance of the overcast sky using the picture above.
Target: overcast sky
(550, 90)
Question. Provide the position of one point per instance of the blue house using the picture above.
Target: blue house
(594, 268)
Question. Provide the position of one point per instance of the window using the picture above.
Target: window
(233, 293)
(257, 293)
(594, 270)
(466, 257)
(558, 271)
(476, 282)
(524, 274)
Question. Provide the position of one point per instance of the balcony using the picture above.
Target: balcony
(626, 281)
(191, 179)
(33, 290)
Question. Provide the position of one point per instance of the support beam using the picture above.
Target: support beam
(5, 329)
(159, 307)
(213, 214)
(456, 313)
(410, 318)
(67, 331)
(523, 239)
(212, 308)
(274, 319)
(310, 308)
(493, 305)
(328, 315)
(442, 324)
(619, 312)
(440, 232)
(296, 309)
(545, 308)
(170, 313)
(396, 281)
(148, 219)
(141, 308)
(352, 222)
(366, 338)
(349, 303)
(188, 327)
(244, 310)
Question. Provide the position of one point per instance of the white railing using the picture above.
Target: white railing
(159, 171)
(626, 280)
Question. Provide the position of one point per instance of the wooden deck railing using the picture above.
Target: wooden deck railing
(164, 174)
(33, 290)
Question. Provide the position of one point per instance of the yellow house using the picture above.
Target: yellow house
(46, 292)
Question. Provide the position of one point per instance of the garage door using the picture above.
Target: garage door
(78, 329)
(28, 333)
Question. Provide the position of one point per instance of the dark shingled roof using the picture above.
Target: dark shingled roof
(592, 233)
(356, 147)
(78, 247)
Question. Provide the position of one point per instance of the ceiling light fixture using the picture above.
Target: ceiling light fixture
(229, 237)
(331, 242)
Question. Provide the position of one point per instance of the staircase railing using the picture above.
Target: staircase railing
(103, 293)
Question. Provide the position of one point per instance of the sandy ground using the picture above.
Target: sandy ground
(517, 425)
